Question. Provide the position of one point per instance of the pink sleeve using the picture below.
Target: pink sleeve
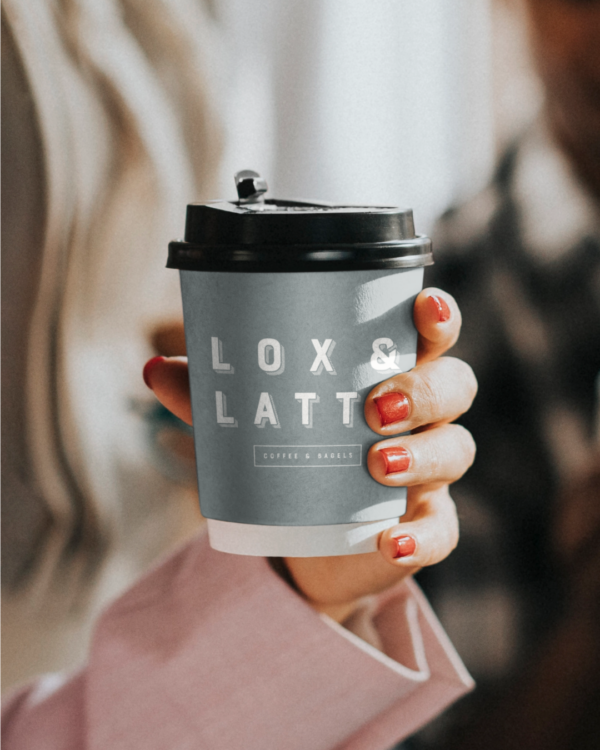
(48, 715)
(215, 651)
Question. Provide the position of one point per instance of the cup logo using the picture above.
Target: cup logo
(381, 360)
(271, 360)
(307, 456)
(265, 413)
(217, 357)
(271, 356)
(322, 359)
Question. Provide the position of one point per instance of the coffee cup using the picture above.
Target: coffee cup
(293, 312)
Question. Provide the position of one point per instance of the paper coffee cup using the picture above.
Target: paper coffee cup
(293, 312)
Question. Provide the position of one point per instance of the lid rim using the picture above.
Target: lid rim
(184, 257)
(420, 241)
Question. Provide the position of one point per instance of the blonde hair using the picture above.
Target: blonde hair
(128, 135)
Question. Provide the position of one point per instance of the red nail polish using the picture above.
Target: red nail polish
(405, 546)
(148, 367)
(441, 308)
(392, 407)
(396, 460)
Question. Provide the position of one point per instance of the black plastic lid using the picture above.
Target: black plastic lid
(284, 236)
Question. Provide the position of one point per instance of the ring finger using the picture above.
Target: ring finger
(441, 455)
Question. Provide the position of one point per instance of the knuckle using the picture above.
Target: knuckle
(464, 374)
(465, 441)
(433, 460)
(453, 527)
(450, 531)
(443, 532)
(471, 379)
(428, 394)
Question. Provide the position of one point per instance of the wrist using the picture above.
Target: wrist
(338, 611)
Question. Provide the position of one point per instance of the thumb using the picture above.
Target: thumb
(168, 378)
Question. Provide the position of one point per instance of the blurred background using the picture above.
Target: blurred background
(392, 102)
(389, 102)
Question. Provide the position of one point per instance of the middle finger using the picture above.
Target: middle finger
(438, 391)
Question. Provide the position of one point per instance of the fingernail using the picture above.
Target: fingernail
(149, 366)
(396, 460)
(405, 546)
(441, 308)
(393, 407)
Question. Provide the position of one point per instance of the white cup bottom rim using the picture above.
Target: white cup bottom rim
(296, 541)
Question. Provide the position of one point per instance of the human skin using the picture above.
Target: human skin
(565, 40)
(438, 390)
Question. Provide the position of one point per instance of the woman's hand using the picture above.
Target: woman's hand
(425, 401)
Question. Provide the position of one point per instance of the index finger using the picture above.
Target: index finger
(438, 321)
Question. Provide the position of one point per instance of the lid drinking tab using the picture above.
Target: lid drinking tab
(250, 186)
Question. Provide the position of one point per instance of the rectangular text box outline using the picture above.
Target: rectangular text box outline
(309, 466)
